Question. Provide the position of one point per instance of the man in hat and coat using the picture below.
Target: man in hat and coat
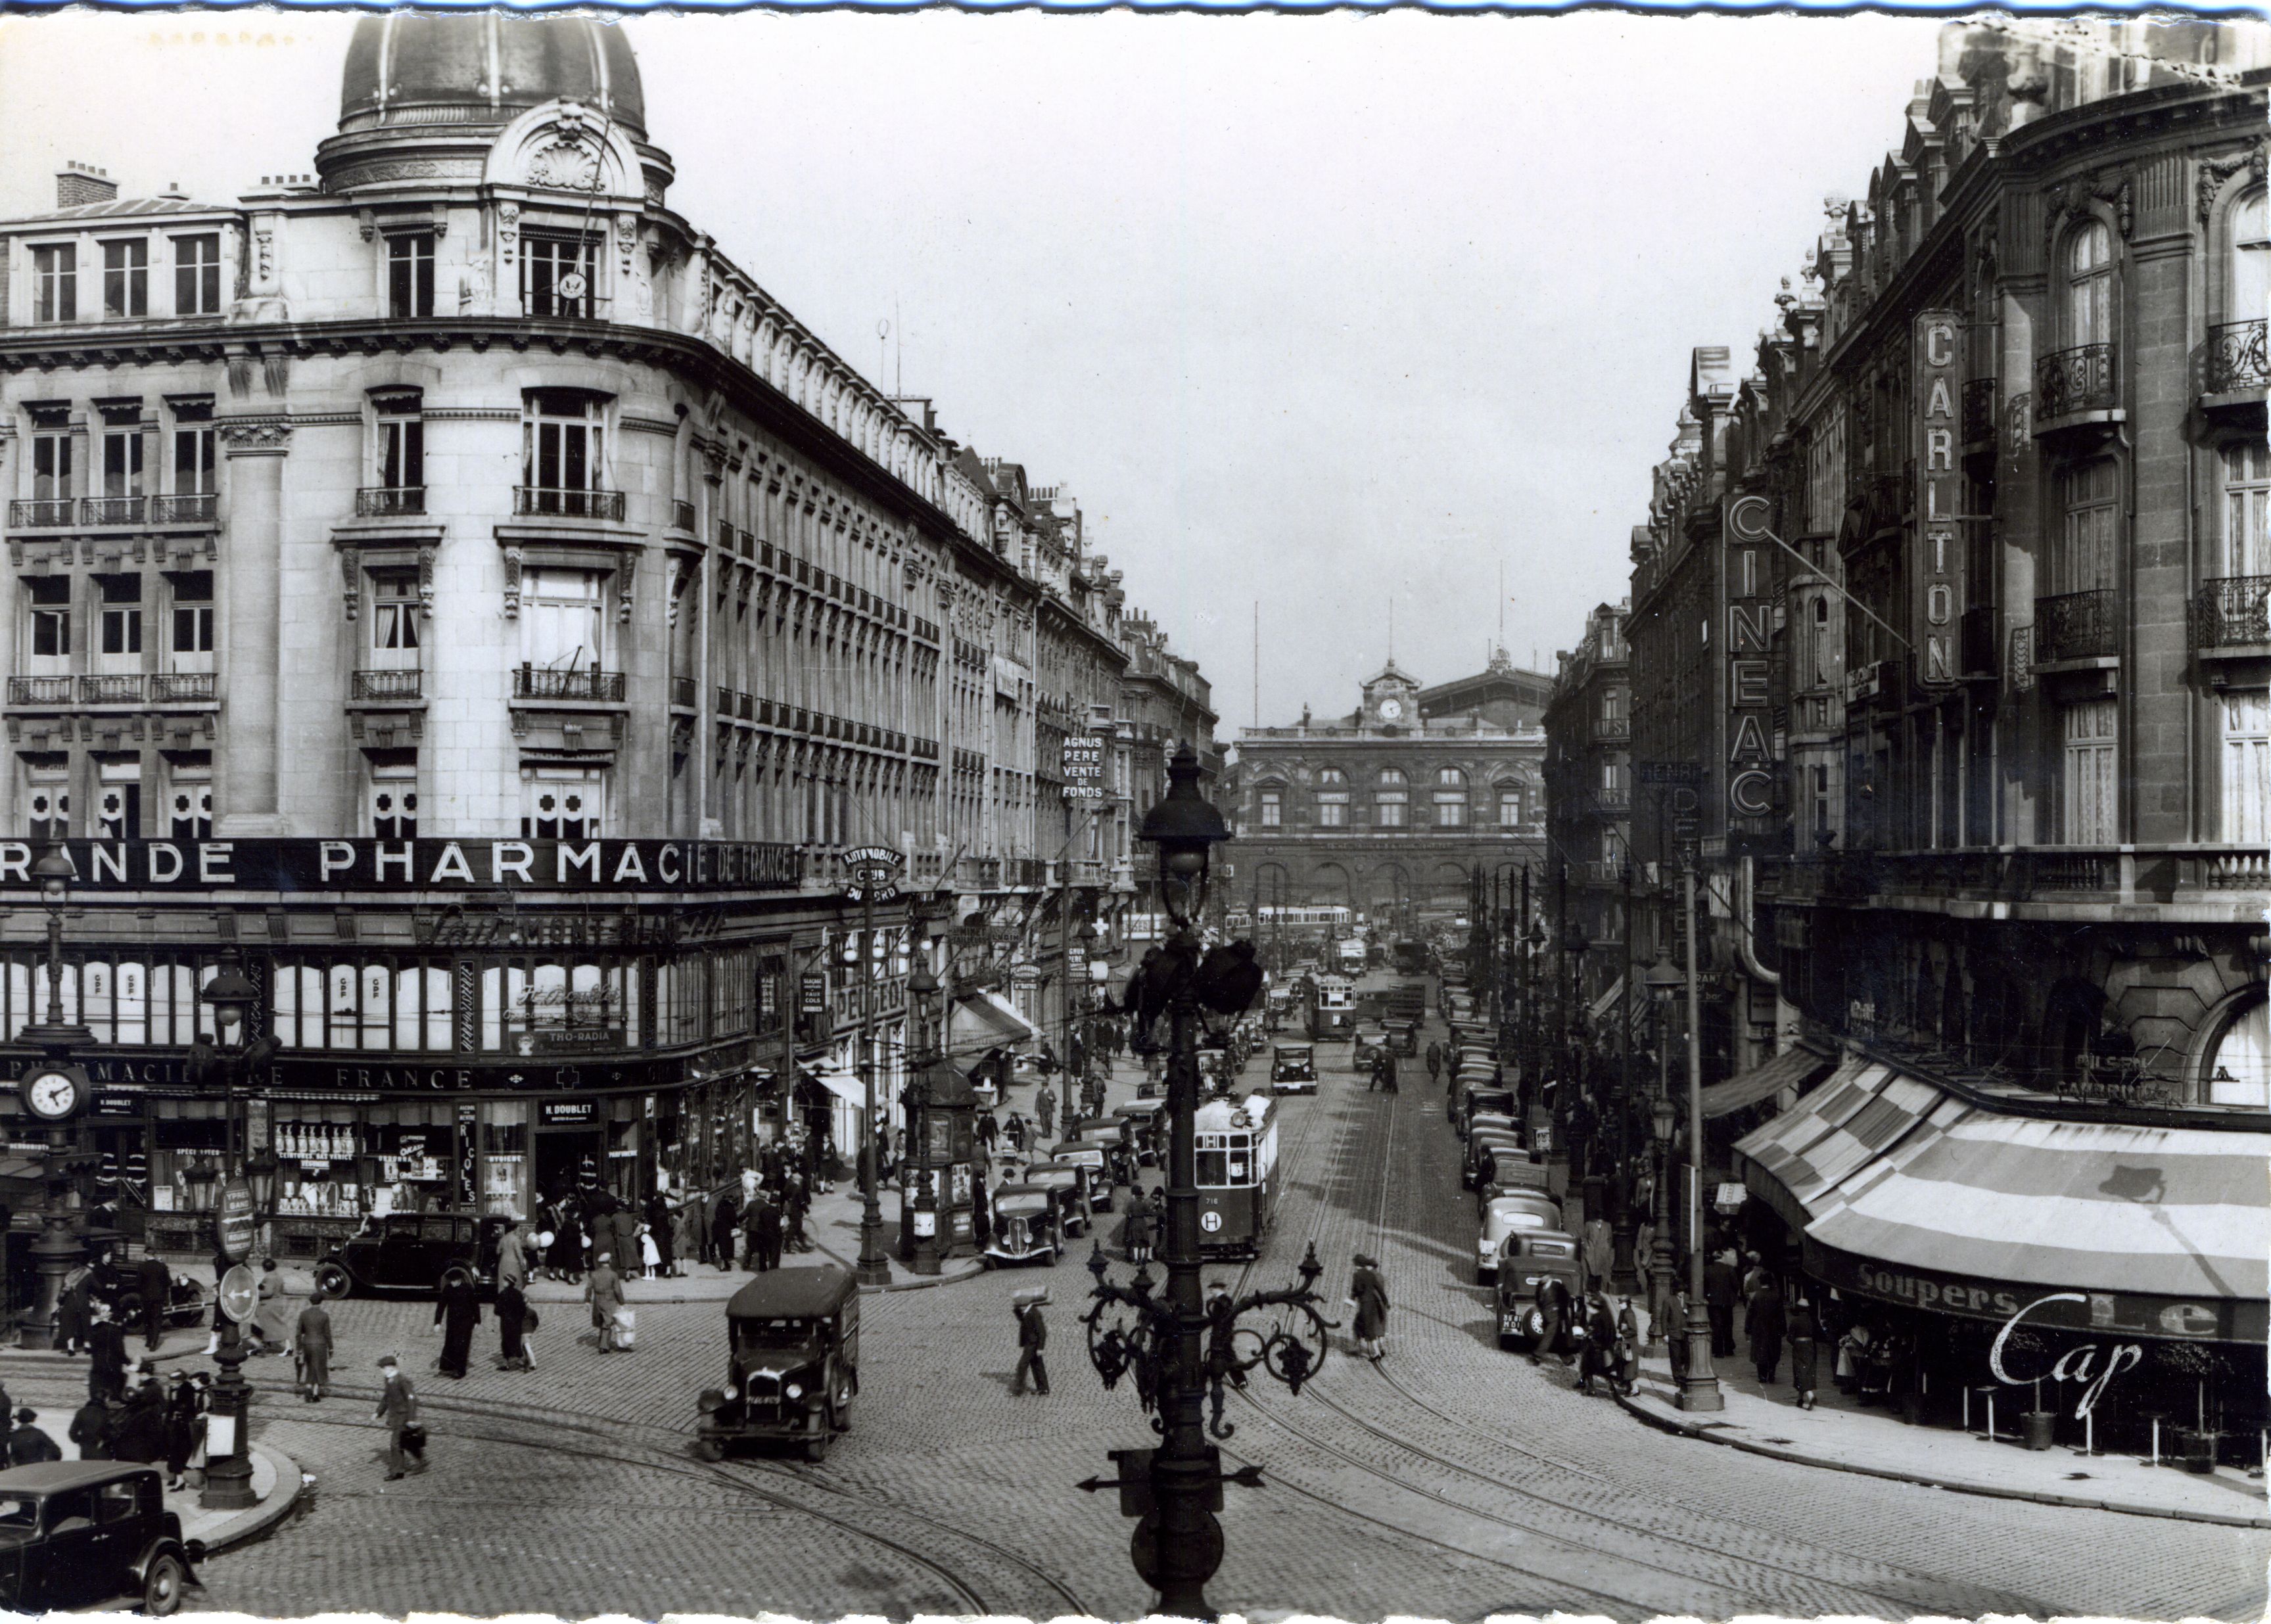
(1368, 1293)
(1768, 1320)
(157, 1284)
(398, 1413)
(311, 1346)
(1033, 1343)
(27, 1445)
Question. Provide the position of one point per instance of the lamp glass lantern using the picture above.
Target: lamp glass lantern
(55, 874)
(1185, 828)
(1661, 1120)
(1661, 981)
(231, 996)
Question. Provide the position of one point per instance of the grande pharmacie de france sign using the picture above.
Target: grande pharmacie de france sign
(208, 865)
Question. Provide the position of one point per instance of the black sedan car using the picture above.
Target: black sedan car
(413, 1252)
(1293, 1068)
(84, 1533)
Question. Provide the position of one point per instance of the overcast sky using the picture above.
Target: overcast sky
(1320, 311)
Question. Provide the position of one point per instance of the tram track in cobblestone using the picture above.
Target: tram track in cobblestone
(747, 1480)
(1635, 1532)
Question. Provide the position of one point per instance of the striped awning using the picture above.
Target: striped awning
(1607, 1001)
(1915, 1193)
(1793, 1068)
(984, 1020)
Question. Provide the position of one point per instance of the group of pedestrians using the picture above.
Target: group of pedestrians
(1770, 1322)
(154, 1421)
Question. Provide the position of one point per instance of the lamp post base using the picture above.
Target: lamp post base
(228, 1479)
(1699, 1389)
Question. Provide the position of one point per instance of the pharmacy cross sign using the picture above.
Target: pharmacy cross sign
(874, 871)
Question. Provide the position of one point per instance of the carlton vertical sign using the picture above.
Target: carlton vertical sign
(1936, 609)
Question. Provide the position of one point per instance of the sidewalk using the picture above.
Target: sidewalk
(276, 1484)
(1842, 1435)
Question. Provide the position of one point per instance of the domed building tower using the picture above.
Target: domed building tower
(448, 584)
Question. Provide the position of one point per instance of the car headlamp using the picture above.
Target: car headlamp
(795, 1390)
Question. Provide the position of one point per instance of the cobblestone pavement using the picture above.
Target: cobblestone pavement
(1454, 1480)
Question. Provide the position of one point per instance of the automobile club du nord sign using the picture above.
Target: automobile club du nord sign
(1936, 609)
(874, 871)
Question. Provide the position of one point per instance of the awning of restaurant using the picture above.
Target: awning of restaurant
(843, 1082)
(1793, 1068)
(1882, 1166)
(984, 1019)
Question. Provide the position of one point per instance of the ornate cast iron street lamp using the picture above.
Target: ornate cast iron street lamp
(1173, 1346)
(228, 1471)
(1663, 1118)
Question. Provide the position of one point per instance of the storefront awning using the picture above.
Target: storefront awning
(984, 1020)
(2158, 1231)
(1793, 1068)
(844, 1084)
(1607, 1001)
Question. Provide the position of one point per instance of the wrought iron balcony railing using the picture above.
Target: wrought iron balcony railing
(681, 517)
(683, 692)
(40, 690)
(2081, 379)
(2075, 626)
(533, 500)
(397, 685)
(1979, 410)
(390, 501)
(177, 686)
(591, 684)
(2235, 358)
(126, 689)
(2234, 611)
(111, 510)
(191, 508)
(39, 513)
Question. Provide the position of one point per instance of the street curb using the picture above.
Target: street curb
(271, 1511)
(921, 1284)
(2044, 1497)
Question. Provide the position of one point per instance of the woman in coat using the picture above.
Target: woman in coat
(604, 1291)
(1804, 1353)
(512, 1328)
(456, 1311)
(664, 1233)
(725, 1227)
(1369, 1292)
(270, 1322)
(1766, 1322)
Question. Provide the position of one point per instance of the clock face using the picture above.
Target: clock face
(52, 1094)
(1390, 710)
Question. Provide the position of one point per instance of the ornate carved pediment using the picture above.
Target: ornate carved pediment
(565, 146)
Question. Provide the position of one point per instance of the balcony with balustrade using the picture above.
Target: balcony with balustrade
(2230, 618)
(2077, 629)
(2201, 883)
(110, 512)
(390, 502)
(2075, 387)
(537, 501)
(389, 687)
(41, 513)
(2235, 368)
(586, 685)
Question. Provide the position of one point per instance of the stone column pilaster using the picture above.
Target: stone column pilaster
(245, 776)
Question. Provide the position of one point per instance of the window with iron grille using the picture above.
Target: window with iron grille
(562, 803)
(46, 798)
(189, 798)
(394, 795)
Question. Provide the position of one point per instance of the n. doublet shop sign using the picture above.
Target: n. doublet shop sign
(417, 865)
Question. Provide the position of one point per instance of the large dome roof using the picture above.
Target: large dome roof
(421, 68)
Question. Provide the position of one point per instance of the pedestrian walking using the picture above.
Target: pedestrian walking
(1137, 1230)
(138, 1432)
(686, 1234)
(513, 1255)
(1805, 1351)
(184, 1419)
(1033, 1343)
(1015, 1132)
(514, 1319)
(27, 1445)
(311, 1347)
(398, 1413)
(725, 1224)
(1721, 1286)
(90, 1429)
(1754, 1276)
(1368, 1295)
(988, 1129)
(1768, 1321)
(106, 1342)
(157, 1284)
(665, 1238)
(1554, 1321)
(1675, 1333)
(456, 1311)
(604, 1291)
(796, 1202)
(271, 1319)
(623, 1236)
(74, 1310)
(768, 1237)
(1044, 1112)
(1434, 1062)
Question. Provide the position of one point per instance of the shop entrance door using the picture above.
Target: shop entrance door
(570, 1159)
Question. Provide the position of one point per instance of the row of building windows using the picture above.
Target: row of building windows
(125, 277)
(1391, 807)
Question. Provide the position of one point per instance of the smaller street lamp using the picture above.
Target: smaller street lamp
(228, 1474)
(922, 987)
(1662, 983)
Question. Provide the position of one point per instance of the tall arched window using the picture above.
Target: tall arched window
(2247, 285)
(2089, 284)
(1450, 778)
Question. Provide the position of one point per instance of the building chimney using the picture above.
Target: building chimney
(78, 182)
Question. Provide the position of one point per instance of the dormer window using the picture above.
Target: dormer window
(125, 280)
(54, 283)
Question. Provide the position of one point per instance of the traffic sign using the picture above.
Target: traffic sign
(235, 1220)
(240, 1293)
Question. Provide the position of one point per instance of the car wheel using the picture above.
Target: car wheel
(710, 1450)
(163, 1584)
(333, 1280)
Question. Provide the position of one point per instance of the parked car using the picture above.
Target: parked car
(1529, 1259)
(1486, 1148)
(1145, 1121)
(1028, 1227)
(1092, 1159)
(1074, 1202)
(1369, 1043)
(1404, 1035)
(1503, 1217)
(414, 1252)
(85, 1533)
(1293, 1068)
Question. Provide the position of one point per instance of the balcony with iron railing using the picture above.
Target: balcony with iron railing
(2234, 358)
(39, 513)
(390, 501)
(2233, 613)
(185, 507)
(41, 690)
(2071, 382)
(590, 685)
(537, 501)
(681, 517)
(1980, 411)
(2072, 881)
(396, 687)
(110, 512)
(683, 692)
(119, 688)
(2076, 626)
(184, 687)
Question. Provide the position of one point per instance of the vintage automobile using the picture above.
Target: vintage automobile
(84, 1533)
(1276, 1007)
(1075, 1199)
(1530, 1258)
(1486, 1148)
(1479, 1100)
(1402, 1036)
(792, 1362)
(1293, 1068)
(1485, 1124)
(1511, 1172)
(1092, 1159)
(1145, 1118)
(1368, 1043)
(1502, 1216)
(413, 1252)
(187, 1302)
(1028, 1225)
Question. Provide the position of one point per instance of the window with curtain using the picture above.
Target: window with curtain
(2246, 496)
(2092, 777)
(2087, 502)
(2246, 765)
(2089, 284)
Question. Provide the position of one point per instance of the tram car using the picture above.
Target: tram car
(1331, 1008)
(1237, 1174)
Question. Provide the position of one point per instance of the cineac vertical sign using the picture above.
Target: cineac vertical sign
(1748, 584)
(1936, 610)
